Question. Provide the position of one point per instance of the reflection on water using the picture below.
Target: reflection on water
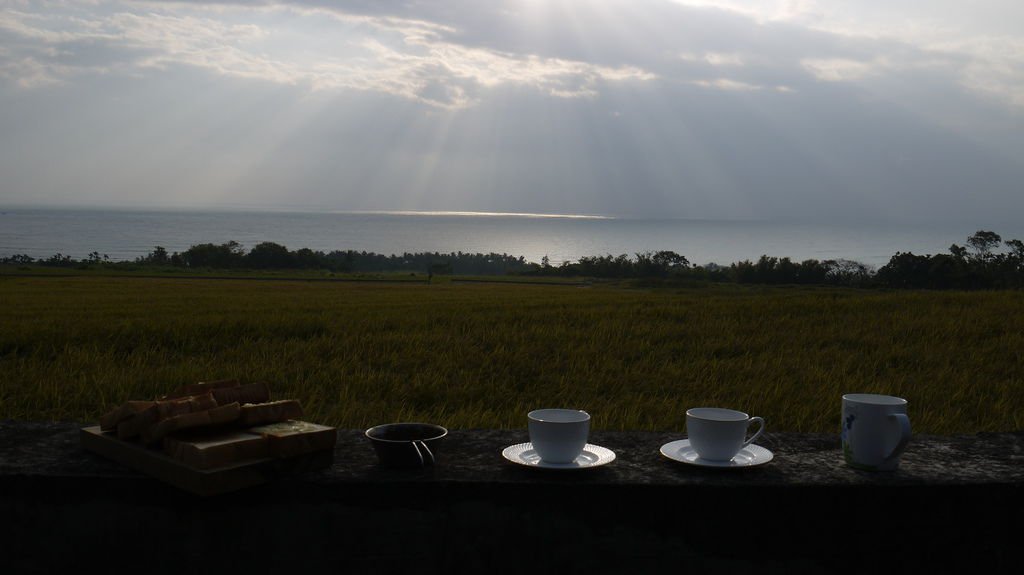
(129, 234)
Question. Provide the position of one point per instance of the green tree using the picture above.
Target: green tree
(669, 260)
(223, 256)
(268, 255)
(984, 242)
(157, 257)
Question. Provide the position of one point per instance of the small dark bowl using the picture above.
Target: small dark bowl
(406, 444)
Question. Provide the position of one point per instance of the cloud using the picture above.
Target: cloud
(978, 43)
(698, 109)
(991, 65)
(406, 57)
(29, 73)
(734, 85)
(841, 70)
(452, 53)
(714, 58)
(720, 59)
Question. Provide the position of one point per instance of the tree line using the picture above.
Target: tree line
(985, 262)
(978, 265)
(272, 256)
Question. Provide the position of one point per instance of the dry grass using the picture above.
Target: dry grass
(483, 355)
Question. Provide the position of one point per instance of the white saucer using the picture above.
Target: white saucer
(750, 456)
(592, 456)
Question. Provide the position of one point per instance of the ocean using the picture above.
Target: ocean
(128, 234)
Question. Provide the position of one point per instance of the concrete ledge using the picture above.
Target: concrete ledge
(954, 502)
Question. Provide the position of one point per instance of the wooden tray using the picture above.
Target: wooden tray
(200, 482)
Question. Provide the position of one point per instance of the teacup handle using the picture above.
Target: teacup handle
(760, 430)
(426, 456)
(904, 422)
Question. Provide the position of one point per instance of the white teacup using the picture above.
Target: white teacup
(559, 435)
(719, 434)
(875, 431)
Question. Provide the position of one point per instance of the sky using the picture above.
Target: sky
(888, 110)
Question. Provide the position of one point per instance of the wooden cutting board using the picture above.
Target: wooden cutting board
(205, 482)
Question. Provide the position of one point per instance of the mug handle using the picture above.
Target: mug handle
(426, 456)
(904, 422)
(756, 435)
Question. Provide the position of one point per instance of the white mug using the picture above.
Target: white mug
(558, 435)
(875, 431)
(719, 434)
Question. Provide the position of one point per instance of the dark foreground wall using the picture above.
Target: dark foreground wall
(955, 503)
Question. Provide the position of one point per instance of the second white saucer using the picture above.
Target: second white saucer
(525, 454)
(750, 456)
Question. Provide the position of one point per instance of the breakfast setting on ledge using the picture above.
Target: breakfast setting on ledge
(219, 436)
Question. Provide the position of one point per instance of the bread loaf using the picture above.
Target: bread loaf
(219, 423)
(210, 450)
(291, 438)
(152, 412)
(272, 412)
(134, 425)
(166, 409)
(211, 417)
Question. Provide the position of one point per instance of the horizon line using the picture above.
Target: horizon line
(294, 210)
(474, 214)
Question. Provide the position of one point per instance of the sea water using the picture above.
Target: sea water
(128, 234)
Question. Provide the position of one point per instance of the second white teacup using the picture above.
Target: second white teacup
(718, 434)
(558, 435)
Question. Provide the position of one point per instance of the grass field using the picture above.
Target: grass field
(482, 355)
